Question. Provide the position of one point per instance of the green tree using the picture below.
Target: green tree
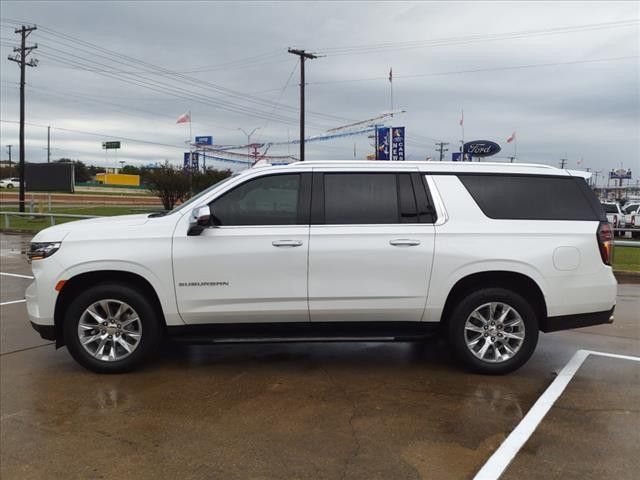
(130, 170)
(169, 184)
(203, 180)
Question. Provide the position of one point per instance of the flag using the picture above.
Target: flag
(462, 118)
(184, 118)
(511, 138)
(391, 74)
(579, 162)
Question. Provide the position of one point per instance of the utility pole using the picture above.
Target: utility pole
(21, 59)
(563, 162)
(249, 140)
(49, 144)
(441, 149)
(303, 56)
(9, 147)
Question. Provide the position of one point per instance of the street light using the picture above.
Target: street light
(249, 139)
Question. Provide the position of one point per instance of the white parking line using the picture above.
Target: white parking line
(16, 275)
(504, 455)
(12, 301)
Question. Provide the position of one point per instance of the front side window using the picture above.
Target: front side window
(270, 200)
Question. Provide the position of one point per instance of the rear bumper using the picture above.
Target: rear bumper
(48, 332)
(566, 322)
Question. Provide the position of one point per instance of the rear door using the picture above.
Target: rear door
(371, 246)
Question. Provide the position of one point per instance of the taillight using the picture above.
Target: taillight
(633, 220)
(615, 221)
(605, 242)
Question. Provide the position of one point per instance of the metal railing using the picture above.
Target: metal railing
(52, 221)
(52, 217)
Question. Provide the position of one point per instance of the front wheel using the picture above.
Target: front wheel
(111, 328)
(9, 185)
(493, 331)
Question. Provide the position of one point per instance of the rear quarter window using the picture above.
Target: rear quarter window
(531, 197)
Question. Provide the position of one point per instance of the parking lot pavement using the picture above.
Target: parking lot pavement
(321, 411)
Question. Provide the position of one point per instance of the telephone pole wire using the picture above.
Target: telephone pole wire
(303, 56)
(20, 57)
(441, 149)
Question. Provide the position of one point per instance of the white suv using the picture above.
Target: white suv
(488, 254)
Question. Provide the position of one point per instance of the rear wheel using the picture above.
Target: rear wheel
(9, 185)
(111, 328)
(493, 330)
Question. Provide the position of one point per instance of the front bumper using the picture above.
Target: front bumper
(566, 322)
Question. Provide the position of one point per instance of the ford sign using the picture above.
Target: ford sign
(481, 148)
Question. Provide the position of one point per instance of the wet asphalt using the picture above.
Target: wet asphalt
(320, 411)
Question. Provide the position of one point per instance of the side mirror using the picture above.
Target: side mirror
(200, 219)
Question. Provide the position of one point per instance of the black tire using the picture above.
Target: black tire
(460, 314)
(151, 327)
(9, 185)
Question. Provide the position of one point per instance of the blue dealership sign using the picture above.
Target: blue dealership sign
(397, 145)
(190, 161)
(204, 140)
(481, 148)
(383, 143)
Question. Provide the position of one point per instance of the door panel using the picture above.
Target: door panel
(238, 275)
(356, 274)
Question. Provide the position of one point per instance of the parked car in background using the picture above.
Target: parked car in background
(632, 219)
(10, 182)
(615, 217)
(335, 251)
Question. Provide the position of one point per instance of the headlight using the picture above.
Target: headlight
(40, 250)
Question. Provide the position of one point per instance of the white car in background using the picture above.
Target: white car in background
(13, 182)
(632, 218)
(614, 216)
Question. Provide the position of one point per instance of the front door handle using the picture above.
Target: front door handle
(404, 242)
(286, 243)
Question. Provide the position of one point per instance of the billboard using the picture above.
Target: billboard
(397, 145)
(620, 174)
(382, 143)
(204, 140)
(49, 177)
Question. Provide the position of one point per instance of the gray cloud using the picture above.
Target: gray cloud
(588, 110)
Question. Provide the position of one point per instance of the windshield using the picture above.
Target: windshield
(610, 208)
(195, 198)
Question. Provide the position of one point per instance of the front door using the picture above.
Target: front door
(252, 266)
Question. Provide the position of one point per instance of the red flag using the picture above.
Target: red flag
(511, 138)
(184, 118)
(391, 75)
(462, 118)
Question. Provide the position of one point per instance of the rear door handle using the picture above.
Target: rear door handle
(286, 243)
(404, 242)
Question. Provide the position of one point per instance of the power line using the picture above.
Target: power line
(477, 70)
(475, 38)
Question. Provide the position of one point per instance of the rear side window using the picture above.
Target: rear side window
(370, 198)
(609, 208)
(360, 198)
(529, 197)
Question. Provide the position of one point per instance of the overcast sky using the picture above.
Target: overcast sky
(563, 75)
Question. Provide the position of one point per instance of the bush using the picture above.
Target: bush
(203, 180)
(169, 184)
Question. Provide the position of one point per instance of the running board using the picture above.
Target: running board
(302, 332)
